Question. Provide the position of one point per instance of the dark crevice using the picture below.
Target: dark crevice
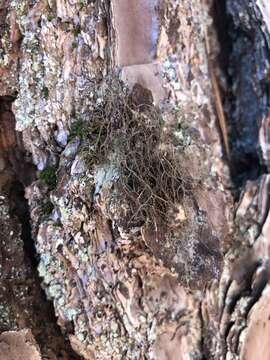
(19, 207)
(243, 59)
(18, 173)
(221, 23)
(247, 166)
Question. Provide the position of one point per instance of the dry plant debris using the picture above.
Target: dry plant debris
(133, 136)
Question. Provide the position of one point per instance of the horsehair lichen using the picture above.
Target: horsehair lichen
(151, 173)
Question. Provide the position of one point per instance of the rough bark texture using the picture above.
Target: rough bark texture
(129, 280)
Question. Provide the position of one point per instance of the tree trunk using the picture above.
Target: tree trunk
(134, 179)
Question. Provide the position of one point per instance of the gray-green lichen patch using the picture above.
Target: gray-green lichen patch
(55, 78)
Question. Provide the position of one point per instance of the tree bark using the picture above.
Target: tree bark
(150, 237)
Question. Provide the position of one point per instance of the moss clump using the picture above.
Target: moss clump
(45, 92)
(77, 129)
(77, 30)
(74, 45)
(48, 175)
(50, 17)
(152, 175)
(47, 208)
(82, 3)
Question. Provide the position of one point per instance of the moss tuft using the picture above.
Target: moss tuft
(48, 175)
(74, 45)
(77, 30)
(45, 92)
(47, 208)
(77, 129)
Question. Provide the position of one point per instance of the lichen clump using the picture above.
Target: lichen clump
(126, 130)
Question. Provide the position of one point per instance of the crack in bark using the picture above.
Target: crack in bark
(31, 309)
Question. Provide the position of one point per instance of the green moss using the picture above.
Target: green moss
(77, 129)
(47, 208)
(77, 30)
(74, 45)
(45, 92)
(57, 224)
(82, 3)
(50, 17)
(48, 175)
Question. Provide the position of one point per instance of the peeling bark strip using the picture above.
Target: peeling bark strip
(136, 27)
(192, 287)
